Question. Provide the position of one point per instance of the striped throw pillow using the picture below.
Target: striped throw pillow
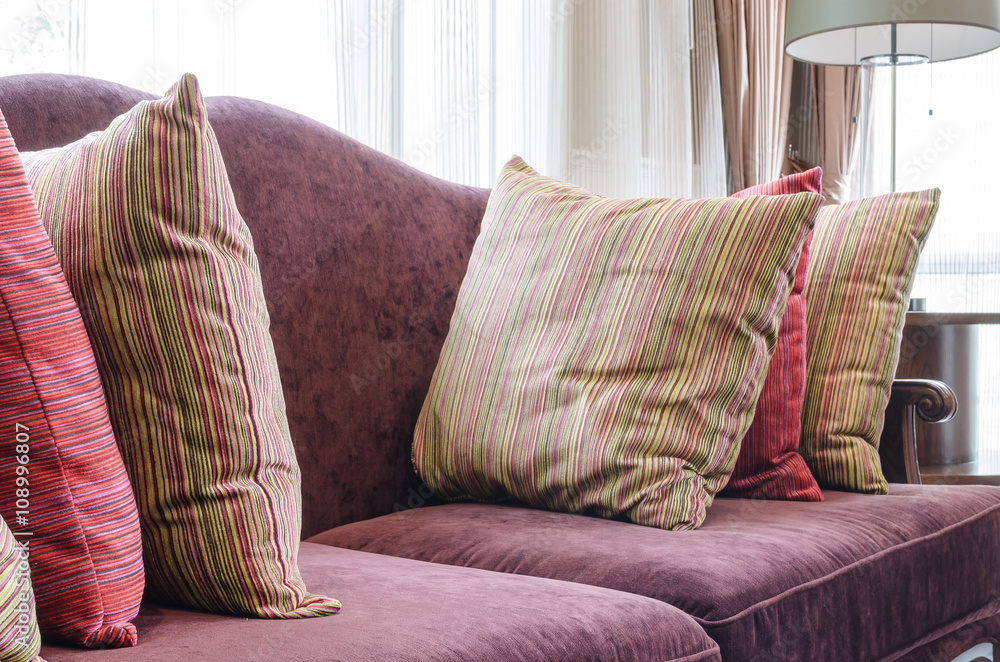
(20, 640)
(864, 256)
(769, 465)
(605, 356)
(162, 266)
(64, 488)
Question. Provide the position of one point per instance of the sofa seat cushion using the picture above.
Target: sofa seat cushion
(398, 609)
(855, 577)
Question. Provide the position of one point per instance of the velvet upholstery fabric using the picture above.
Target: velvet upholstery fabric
(397, 609)
(52, 110)
(976, 633)
(360, 271)
(856, 577)
(361, 258)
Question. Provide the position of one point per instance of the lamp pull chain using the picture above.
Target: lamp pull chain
(892, 112)
(857, 78)
(930, 110)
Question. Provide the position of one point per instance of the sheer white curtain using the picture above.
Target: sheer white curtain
(249, 48)
(621, 96)
(362, 47)
(644, 115)
(953, 148)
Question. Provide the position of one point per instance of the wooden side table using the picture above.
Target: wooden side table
(945, 346)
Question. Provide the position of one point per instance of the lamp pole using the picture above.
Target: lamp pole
(892, 156)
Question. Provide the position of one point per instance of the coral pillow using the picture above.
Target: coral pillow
(606, 356)
(864, 257)
(769, 466)
(64, 486)
(20, 640)
(162, 265)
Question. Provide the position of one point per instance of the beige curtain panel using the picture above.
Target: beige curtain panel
(836, 95)
(756, 87)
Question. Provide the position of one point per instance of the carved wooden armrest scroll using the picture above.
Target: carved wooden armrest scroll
(933, 402)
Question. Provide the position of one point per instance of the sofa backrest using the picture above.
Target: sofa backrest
(361, 258)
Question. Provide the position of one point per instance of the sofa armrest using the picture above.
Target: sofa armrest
(934, 402)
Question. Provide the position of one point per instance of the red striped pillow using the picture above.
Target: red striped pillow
(769, 466)
(143, 219)
(64, 487)
(605, 356)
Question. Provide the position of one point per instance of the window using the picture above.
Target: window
(948, 137)
(452, 87)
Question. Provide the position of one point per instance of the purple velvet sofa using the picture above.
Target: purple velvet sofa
(361, 259)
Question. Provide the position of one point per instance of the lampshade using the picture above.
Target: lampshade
(852, 32)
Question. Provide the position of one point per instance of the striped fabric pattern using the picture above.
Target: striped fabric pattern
(605, 356)
(161, 263)
(864, 257)
(769, 465)
(20, 640)
(63, 485)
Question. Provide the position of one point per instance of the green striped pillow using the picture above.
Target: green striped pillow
(20, 640)
(161, 263)
(605, 356)
(864, 257)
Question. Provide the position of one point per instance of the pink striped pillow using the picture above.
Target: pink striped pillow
(162, 265)
(769, 466)
(605, 356)
(64, 486)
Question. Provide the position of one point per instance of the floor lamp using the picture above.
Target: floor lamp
(890, 33)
